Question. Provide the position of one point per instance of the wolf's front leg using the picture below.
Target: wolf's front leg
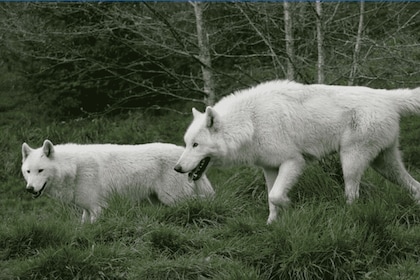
(288, 174)
(91, 215)
(85, 216)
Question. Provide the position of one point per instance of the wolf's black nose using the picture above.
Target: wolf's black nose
(178, 168)
(30, 189)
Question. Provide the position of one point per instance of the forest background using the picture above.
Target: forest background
(130, 72)
(75, 59)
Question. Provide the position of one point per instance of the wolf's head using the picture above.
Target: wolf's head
(202, 144)
(37, 168)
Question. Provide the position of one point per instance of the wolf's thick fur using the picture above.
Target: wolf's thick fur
(86, 174)
(276, 125)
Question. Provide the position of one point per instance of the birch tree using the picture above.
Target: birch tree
(320, 43)
(357, 45)
(204, 52)
(288, 31)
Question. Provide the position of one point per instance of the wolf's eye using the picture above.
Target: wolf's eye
(195, 145)
(28, 171)
(40, 170)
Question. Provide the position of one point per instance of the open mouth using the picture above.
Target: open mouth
(38, 193)
(199, 170)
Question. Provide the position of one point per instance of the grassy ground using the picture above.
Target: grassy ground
(318, 237)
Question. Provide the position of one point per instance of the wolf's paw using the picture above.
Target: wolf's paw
(271, 219)
(417, 197)
(351, 197)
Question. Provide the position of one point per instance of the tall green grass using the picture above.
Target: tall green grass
(317, 237)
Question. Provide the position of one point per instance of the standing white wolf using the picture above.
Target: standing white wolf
(87, 174)
(276, 125)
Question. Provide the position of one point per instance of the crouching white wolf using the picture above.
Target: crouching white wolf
(276, 125)
(86, 174)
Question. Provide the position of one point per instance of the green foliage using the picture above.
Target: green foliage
(198, 213)
(69, 263)
(317, 237)
(28, 238)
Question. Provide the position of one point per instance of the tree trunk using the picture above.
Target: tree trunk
(288, 30)
(204, 53)
(320, 43)
(357, 46)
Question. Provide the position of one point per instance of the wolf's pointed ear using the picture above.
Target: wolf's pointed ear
(48, 148)
(212, 118)
(195, 113)
(26, 150)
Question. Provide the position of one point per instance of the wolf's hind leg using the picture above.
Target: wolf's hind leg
(354, 163)
(91, 215)
(389, 164)
(95, 213)
(270, 177)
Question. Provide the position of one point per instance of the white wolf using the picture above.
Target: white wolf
(86, 174)
(277, 125)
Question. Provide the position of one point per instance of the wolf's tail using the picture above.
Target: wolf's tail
(408, 101)
(203, 187)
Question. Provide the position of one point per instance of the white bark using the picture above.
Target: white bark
(288, 30)
(204, 53)
(320, 43)
(357, 46)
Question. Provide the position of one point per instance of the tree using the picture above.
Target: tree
(103, 57)
(357, 45)
(320, 42)
(288, 31)
(90, 57)
(265, 38)
(204, 53)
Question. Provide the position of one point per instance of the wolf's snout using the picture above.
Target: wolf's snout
(30, 189)
(178, 168)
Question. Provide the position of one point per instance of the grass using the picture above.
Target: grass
(317, 237)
